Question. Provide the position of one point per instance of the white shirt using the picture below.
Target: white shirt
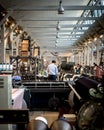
(52, 69)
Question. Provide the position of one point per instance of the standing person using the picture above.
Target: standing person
(52, 71)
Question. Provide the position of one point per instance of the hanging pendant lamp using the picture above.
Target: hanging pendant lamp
(60, 9)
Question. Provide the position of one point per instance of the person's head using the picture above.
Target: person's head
(53, 61)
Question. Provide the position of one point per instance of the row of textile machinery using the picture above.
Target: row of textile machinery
(83, 97)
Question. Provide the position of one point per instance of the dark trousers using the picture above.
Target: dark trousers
(52, 77)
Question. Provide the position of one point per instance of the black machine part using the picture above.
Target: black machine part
(18, 117)
(81, 90)
(91, 116)
(61, 124)
(37, 125)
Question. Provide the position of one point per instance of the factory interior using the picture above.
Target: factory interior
(68, 34)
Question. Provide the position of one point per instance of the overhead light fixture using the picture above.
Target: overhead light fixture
(57, 36)
(101, 36)
(56, 45)
(58, 26)
(95, 39)
(56, 41)
(60, 9)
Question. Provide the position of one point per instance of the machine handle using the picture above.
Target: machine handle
(78, 96)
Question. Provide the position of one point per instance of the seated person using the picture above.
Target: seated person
(16, 78)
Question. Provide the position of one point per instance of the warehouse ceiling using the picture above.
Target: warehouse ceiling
(56, 34)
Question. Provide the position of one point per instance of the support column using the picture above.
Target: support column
(17, 47)
(87, 55)
(17, 41)
(78, 58)
(98, 55)
(11, 39)
(82, 58)
(92, 55)
(2, 46)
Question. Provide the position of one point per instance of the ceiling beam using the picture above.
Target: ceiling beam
(62, 26)
(54, 8)
(5, 17)
(11, 31)
(49, 37)
(54, 35)
(53, 31)
(59, 19)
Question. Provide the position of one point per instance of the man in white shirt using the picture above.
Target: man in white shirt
(52, 70)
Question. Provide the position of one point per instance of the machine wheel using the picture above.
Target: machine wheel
(91, 116)
(53, 103)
